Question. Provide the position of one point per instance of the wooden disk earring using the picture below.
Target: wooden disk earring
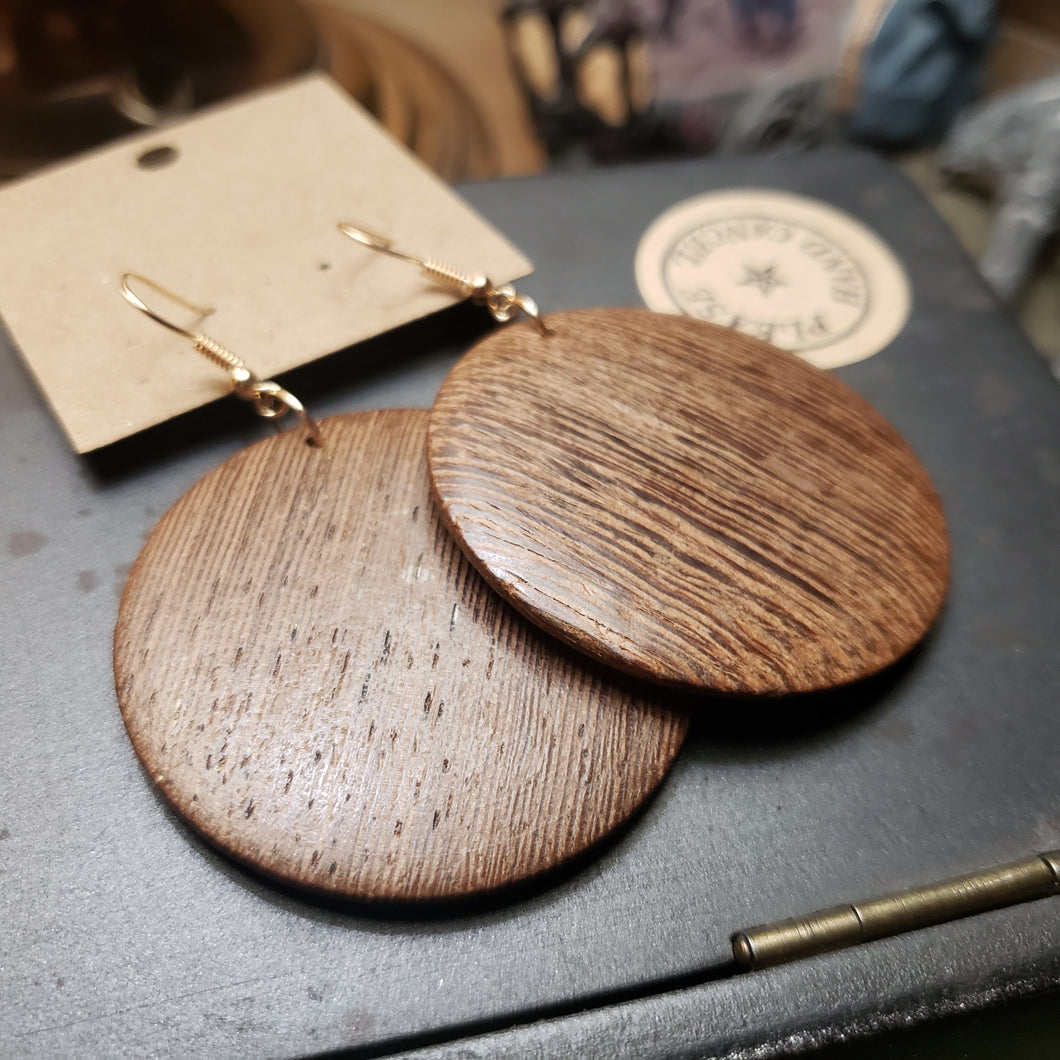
(682, 501)
(320, 683)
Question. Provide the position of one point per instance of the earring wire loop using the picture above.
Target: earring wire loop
(134, 299)
(268, 398)
(502, 302)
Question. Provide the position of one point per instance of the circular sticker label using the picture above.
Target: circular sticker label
(786, 269)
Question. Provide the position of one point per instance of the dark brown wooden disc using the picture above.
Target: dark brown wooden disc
(320, 683)
(687, 503)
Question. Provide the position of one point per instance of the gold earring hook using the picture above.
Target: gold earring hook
(134, 299)
(268, 398)
(503, 302)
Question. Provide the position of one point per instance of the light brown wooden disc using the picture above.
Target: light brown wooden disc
(320, 683)
(687, 503)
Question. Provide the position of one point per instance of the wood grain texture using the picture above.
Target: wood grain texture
(687, 503)
(321, 684)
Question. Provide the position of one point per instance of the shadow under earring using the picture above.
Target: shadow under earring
(681, 501)
(321, 685)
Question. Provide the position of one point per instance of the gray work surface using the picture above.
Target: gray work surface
(122, 933)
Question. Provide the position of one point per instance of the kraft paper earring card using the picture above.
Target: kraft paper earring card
(236, 207)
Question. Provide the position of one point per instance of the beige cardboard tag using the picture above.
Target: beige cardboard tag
(793, 271)
(242, 218)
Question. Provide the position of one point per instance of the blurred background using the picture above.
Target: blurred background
(487, 88)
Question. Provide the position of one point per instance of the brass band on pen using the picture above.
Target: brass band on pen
(916, 907)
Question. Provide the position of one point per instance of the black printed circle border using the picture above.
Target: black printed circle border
(888, 293)
(832, 339)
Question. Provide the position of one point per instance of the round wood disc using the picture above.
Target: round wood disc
(687, 503)
(320, 683)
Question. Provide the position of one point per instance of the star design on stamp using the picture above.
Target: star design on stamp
(765, 279)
